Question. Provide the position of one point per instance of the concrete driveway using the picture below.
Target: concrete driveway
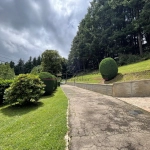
(99, 122)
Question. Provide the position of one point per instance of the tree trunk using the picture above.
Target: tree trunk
(139, 33)
(140, 43)
(147, 38)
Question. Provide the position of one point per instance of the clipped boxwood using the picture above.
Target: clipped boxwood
(55, 83)
(49, 81)
(108, 68)
(24, 89)
(4, 84)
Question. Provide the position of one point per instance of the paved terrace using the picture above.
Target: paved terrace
(99, 122)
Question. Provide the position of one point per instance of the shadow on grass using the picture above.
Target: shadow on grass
(119, 77)
(49, 95)
(16, 109)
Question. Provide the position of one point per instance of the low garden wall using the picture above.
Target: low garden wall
(123, 89)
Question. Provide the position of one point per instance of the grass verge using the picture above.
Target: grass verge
(40, 126)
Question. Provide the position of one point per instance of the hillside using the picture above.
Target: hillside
(136, 71)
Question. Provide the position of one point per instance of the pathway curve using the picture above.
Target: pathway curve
(99, 122)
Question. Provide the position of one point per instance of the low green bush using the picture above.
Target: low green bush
(125, 59)
(25, 88)
(4, 84)
(49, 81)
(108, 68)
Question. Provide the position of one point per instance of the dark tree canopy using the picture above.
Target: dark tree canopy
(25, 67)
(110, 28)
(51, 61)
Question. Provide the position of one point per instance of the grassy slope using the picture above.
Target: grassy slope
(39, 127)
(137, 71)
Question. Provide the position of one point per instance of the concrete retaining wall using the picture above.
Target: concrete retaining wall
(123, 89)
(106, 89)
(100, 88)
(132, 89)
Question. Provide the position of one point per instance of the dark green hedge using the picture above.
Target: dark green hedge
(55, 83)
(49, 81)
(4, 84)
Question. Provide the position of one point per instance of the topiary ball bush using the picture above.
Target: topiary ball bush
(108, 68)
(49, 81)
(25, 88)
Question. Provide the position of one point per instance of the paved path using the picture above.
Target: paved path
(99, 122)
(142, 102)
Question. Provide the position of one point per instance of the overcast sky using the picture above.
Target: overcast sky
(29, 27)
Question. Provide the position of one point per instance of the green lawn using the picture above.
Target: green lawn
(41, 126)
(136, 71)
(136, 67)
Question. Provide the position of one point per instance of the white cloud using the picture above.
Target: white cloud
(28, 27)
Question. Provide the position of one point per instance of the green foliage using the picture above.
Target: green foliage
(125, 59)
(36, 70)
(6, 72)
(25, 88)
(58, 83)
(28, 65)
(4, 84)
(51, 61)
(38, 126)
(25, 67)
(108, 68)
(64, 67)
(55, 82)
(20, 67)
(128, 59)
(49, 81)
(109, 28)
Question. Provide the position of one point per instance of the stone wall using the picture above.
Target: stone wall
(123, 89)
(132, 89)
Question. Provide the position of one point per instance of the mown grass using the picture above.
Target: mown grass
(136, 71)
(40, 126)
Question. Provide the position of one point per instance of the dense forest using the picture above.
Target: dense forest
(110, 28)
(25, 67)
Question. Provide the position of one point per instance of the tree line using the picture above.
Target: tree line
(110, 28)
(23, 67)
(49, 61)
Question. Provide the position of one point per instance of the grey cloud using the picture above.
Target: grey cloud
(28, 27)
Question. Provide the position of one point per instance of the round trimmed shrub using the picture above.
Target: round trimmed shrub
(108, 68)
(49, 81)
(25, 88)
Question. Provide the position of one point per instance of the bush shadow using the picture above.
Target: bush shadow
(18, 110)
(49, 95)
(119, 77)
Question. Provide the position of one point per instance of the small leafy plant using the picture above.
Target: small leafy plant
(25, 88)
